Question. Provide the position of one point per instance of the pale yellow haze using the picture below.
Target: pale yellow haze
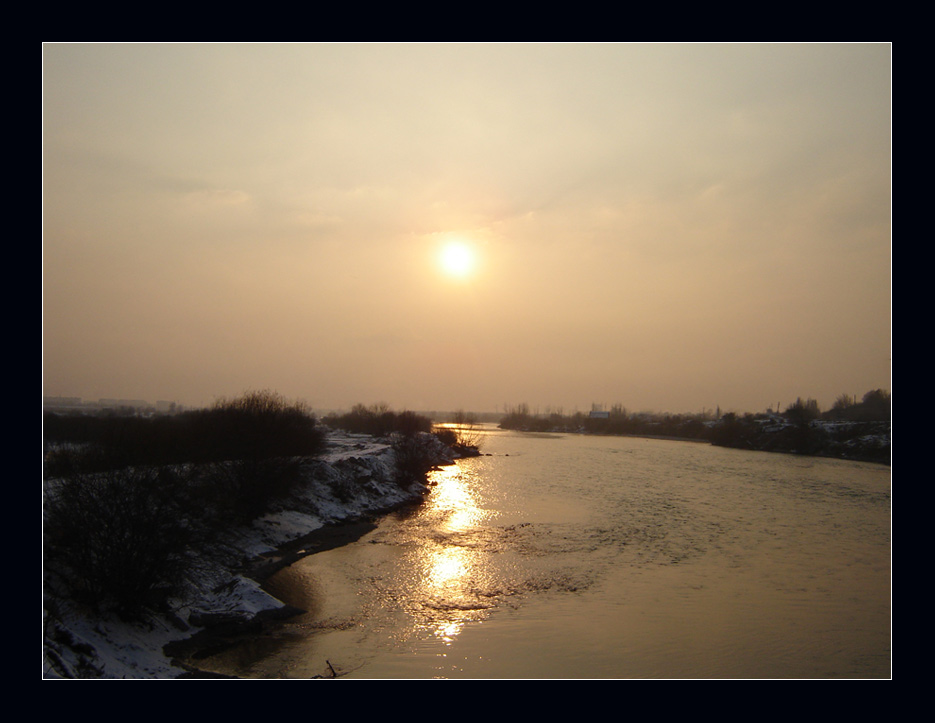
(446, 226)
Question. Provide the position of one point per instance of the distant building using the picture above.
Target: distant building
(61, 401)
(61, 404)
(597, 414)
(132, 403)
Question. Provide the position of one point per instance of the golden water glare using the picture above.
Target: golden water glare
(452, 496)
(450, 570)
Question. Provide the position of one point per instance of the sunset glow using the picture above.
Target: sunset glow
(457, 259)
(645, 224)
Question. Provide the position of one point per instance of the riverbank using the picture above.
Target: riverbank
(855, 441)
(342, 492)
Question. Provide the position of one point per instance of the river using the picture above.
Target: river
(568, 556)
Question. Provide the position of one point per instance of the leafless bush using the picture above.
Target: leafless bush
(379, 420)
(463, 435)
(116, 539)
(244, 488)
(415, 456)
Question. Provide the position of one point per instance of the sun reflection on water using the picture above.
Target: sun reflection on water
(452, 497)
(451, 567)
(446, 567)
(447, 632)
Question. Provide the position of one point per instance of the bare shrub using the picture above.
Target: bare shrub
(116, 539)
(379, 420)
(468, 431)
(446, 435)
(415, 457)
(463, 435)
(258, 425)
(243, 489)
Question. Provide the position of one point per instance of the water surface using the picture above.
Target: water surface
(566, 556)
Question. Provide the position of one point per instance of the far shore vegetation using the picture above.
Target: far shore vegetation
(851, 429)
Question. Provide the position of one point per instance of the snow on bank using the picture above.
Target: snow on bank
(353, 479)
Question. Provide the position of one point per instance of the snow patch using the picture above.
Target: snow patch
(353, 479)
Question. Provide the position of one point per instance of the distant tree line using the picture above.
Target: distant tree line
(875, 406)
(850, 429)
(617, 422)
(255, 425)
(379, 420)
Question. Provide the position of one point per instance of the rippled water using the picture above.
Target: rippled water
(565, 556)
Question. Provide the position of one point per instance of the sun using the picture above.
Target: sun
(457, 259)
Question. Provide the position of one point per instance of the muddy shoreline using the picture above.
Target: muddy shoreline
(328, 537)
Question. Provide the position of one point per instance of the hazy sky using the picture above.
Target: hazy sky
(669, 227)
